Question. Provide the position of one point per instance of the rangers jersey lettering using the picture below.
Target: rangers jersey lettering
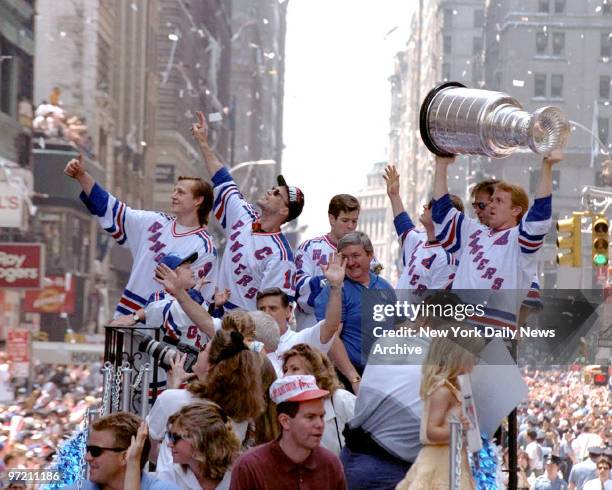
(425, 266)
(494, 259)
(309, 259)
(149, 236)
(163, 311)
(253, 260)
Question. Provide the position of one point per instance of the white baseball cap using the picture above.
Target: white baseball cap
(296, 388)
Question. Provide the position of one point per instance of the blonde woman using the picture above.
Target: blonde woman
(339, 405)
(446, 360)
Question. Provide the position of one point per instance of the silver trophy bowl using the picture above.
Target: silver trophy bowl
(459, 120)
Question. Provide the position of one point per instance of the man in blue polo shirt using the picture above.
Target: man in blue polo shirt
(349, 351)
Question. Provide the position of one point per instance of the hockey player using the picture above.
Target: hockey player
(502, 257)
(257, 255)
(426, 264)
(149, 235)
(313, 254)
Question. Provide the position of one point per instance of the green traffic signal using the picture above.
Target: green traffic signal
(600, 260)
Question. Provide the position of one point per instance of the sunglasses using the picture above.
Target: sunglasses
(96, 451)
(276, 192)
(174, 438)
(603, 468)
(479, 205)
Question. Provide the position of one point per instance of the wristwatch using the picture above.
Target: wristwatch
(356, 379)
(136, 317)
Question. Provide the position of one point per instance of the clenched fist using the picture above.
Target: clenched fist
(75, 168)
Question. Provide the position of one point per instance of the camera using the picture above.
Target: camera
(165, 350)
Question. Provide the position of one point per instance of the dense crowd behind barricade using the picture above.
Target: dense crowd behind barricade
(568, 415)
(34, 423)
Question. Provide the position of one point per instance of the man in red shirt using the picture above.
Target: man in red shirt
(295, 459)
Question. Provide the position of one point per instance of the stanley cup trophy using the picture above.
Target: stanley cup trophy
(455, 119)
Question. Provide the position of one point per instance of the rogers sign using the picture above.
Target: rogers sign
(21, 265)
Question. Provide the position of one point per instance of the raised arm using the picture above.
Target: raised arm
(75, 169)
(440, 187)
(544, 188)
(392, 180)
(198, 315)
(334, 273)
(200, 133)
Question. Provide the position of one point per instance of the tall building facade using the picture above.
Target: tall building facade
(373, 222)
(445, 43)
(194, 59)
(16, 182)
(554, 52)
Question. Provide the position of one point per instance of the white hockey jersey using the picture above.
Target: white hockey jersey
(253, 260)
(426, 266)
(310, 257)
(497, 260)
(150, 235)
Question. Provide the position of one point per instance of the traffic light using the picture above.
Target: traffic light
(600, 245)
(569, 245)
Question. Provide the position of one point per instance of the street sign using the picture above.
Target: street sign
(11, 206)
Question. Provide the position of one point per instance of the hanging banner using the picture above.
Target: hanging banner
(18, 350)
(22, 265)
(56, 296)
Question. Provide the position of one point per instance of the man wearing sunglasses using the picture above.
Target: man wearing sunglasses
(257, 254)
(603, 481)
(106, 455)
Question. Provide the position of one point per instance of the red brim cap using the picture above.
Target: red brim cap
(308, 395)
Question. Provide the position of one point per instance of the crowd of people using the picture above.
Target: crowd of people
(285, 392)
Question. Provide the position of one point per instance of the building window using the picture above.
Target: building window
(559, 6)
(604, 87)
(541, 42)
(448, 18)
(606, 45)
(603, 129)
(478, 18)
(556, 86)
(544, 6)
(558, 43)
(477, 45)
(447, 45)
(446, 71)
(539, 85)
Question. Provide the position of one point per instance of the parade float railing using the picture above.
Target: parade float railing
(129, 351)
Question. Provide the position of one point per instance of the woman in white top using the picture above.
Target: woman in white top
(202, 439)
(227, 373)
(339, 405)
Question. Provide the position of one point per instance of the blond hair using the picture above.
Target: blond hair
(447, 358)
(215, 445)
(240, 321)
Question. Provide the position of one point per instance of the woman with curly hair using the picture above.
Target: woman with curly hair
(339, 405)
(227, 373)
(202, 440)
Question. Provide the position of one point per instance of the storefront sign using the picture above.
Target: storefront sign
(56, 296)
(21, 265)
